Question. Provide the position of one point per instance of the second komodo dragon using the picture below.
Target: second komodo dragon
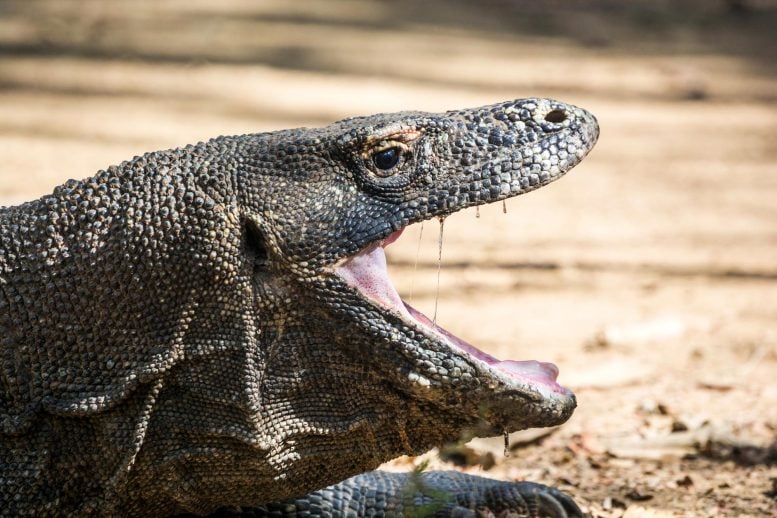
(212, 328)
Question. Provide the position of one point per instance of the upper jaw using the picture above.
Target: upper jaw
(543, 153)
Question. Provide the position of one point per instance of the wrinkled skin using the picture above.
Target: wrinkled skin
(175, 336)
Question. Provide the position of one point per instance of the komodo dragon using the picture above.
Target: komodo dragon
(212, 328)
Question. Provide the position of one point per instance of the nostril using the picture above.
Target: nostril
(556, 116)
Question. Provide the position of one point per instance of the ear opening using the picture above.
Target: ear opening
(255, 248)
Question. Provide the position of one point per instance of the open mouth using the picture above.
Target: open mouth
(367, 272)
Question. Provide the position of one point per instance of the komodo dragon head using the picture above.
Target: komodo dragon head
(219, 319)
(349, 375)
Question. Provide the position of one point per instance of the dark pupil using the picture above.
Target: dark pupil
(387, 158)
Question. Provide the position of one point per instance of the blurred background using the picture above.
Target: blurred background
(650, 272)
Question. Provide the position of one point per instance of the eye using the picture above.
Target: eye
(387, 158)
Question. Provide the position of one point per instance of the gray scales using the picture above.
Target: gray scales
(211, 328)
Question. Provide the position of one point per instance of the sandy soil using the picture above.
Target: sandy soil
(648, 274)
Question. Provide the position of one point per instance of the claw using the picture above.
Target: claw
(571, 508)
(542, 501)
(549, 505)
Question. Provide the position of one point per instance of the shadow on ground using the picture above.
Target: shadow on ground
(274, 34)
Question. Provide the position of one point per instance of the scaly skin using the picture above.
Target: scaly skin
(177, 336)
(437, 493)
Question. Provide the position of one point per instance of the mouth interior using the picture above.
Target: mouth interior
(367, 272)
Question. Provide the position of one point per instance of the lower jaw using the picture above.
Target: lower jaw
(367, 272)
(541, 374)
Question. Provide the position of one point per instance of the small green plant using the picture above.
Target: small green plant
(420, 500)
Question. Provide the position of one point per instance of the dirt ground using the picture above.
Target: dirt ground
(648, 274)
